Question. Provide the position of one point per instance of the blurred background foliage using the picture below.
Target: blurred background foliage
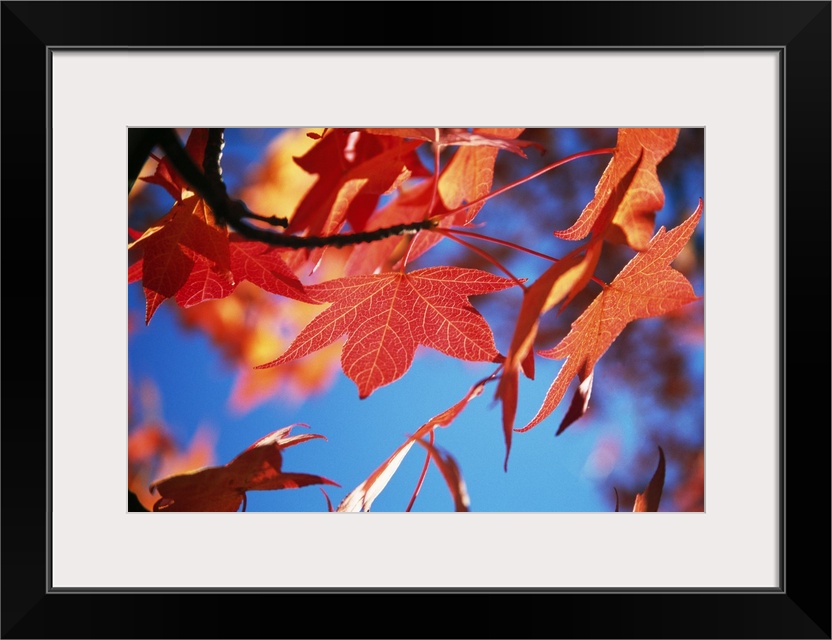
(648, 391)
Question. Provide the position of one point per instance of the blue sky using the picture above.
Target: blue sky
(545, 473)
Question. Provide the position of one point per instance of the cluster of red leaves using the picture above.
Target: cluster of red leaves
(622, 212)
(386, 311)
(186, 256)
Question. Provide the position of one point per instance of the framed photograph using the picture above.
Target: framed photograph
(743, 87)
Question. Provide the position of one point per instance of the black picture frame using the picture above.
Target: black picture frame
(800, 608)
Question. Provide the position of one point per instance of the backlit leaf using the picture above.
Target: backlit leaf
(647, 286)
(387, 316)
(649, 500)
(631, 220)
(361, 498)
(258, 468)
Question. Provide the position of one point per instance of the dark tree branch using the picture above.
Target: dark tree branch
(140, 142)
(209, 185)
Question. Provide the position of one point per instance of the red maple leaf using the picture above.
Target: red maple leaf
(186, 257)
(388, 315)
(354, 169)
(255, 262)
(171, 249)
(263, 265)
(258, 468)
(647, 286)
(419, 203)
(379, 161)
(632, 218)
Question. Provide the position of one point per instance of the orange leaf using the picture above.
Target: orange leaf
(633, 217)
(258, 468)
(450, 471)
(361, 498)
(497, 138)
(545, 292)
(647, 286)
(467, 177)
(649, 500)
(388, 315)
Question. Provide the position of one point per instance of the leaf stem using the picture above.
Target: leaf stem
(505, 243)
(234, 212)
(436, 153)
(532, 176)
(422, 475)
(481, 253)
(451, 232)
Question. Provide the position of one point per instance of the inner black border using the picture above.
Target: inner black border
(799, 31)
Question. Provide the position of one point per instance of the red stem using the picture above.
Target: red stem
(517, 183)
(421, 477)
(505, 243)
(434, 193)
(448, 234)
(436, 153)
(451, 232)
